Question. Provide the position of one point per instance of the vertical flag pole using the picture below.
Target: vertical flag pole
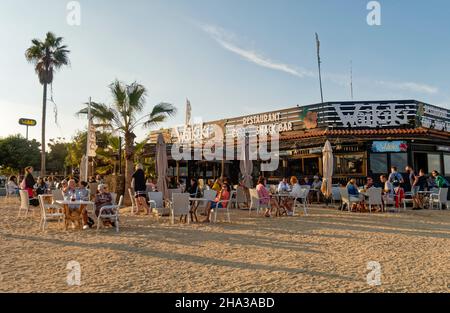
(88, 137)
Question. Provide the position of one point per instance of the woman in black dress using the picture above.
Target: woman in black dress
(140, 187)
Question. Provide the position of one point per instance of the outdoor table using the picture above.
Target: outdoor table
(194, 206)
(425, 195)
(279, 198)
(78, 213)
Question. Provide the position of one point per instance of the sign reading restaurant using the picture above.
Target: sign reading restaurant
(262, 124)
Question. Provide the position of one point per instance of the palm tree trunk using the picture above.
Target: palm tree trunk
(129, 166)
(44, 110)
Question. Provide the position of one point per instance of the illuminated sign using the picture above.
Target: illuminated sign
(389, 146)
(27, 122)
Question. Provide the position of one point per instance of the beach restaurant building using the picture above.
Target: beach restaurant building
(367, 137)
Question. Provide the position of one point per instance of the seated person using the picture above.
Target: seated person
(223, 195)
(103, 198)
(71, 193)
(192, 189)
(388, 189)
(296, 190)
(283, 186)
(83, 191)
(12, 187)
(315, 186)
(369, 183)
(41, 187)
(264, 196)
(353, 192)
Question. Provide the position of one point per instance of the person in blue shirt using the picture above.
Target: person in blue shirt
(352, 188)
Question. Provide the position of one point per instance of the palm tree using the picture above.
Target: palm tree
(124, 116)
(47, 56)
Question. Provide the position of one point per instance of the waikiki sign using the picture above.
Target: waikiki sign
(371, 115)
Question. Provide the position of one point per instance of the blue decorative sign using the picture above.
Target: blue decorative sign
(389, 146)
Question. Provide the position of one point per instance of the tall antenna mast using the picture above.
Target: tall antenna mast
(351, 79)
(319, 62)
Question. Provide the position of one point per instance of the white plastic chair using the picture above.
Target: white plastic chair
(180, 206)
(113, 197)
(114, 216)
(439, 198)
(227, 208)
(301, 199)
(375, 198)
(134, 207)
(335, 195)
(347, 199)
(157, 203)
(170, 192)
(50, 212)
(255, 202)
(410, 194)
(24, 203)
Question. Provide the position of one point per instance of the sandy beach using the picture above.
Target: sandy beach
(327, 251)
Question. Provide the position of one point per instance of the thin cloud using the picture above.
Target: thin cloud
(228, 41)
(225, 39)
(409, 86)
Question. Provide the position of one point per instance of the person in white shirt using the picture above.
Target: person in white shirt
(316, 185)
(295, 192)
(283, 186)
(388, 189)
(12, 187)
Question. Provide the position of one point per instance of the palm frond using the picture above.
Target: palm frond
(160, 113)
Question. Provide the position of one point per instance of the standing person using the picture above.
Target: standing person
(29, 181)
(395, 176)
(421, 182)
(140, 187)
(411, 176)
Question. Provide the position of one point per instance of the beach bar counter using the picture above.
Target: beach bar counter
(367, 137)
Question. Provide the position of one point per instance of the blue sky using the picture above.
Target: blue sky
(228, 57)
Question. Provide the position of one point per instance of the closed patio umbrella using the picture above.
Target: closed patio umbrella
(327, 170)
(246, 166)
(161, 166)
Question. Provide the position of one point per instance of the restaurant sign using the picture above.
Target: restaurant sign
(371, 115)
(433, 118)
(267, 124)
(389, 146)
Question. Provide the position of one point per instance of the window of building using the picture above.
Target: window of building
(399, 160)
(447, 164)
(434, 162)
(349, 164)
(311, 166)
(378, 163)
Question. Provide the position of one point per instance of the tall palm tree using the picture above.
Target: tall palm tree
(47, 56)
(125, 115)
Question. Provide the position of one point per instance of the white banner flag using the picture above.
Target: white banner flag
(92, 141)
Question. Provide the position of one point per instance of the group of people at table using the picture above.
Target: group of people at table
(71, 191)
(393, 187)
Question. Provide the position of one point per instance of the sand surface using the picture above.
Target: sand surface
(327, 251)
